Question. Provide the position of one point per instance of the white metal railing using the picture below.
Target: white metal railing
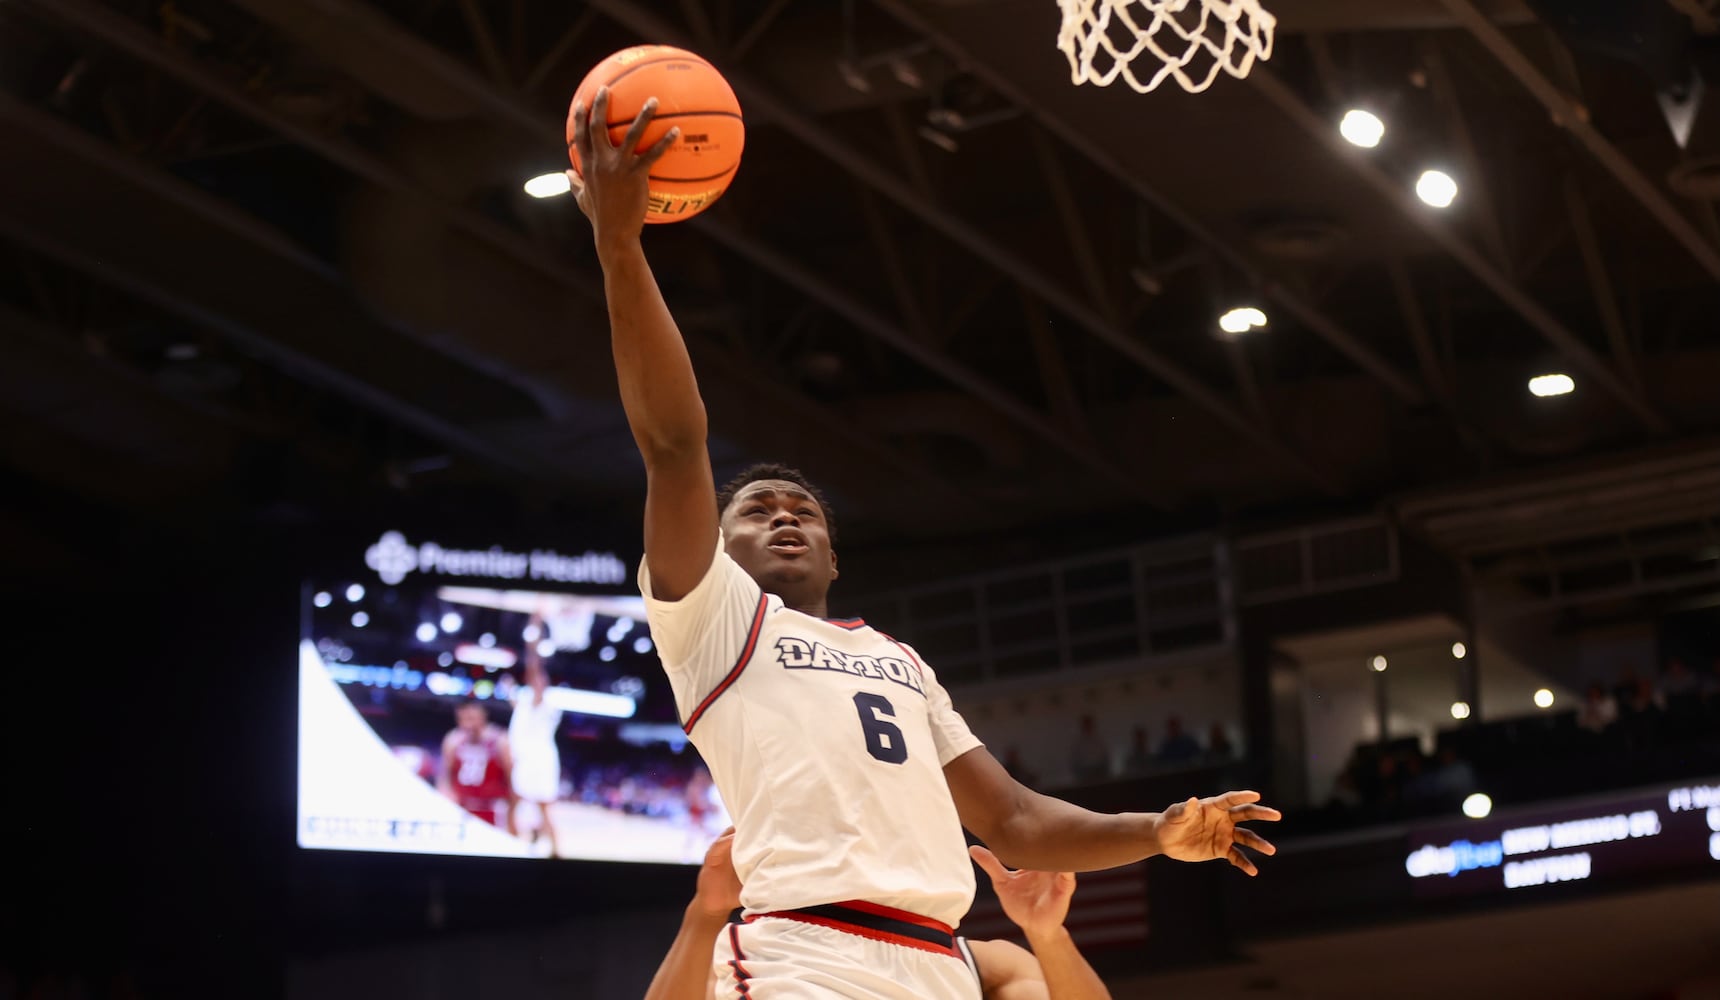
(1613, 567)
(1134, 603)
(1317, 559)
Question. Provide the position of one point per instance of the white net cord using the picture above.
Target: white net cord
(1103, 38)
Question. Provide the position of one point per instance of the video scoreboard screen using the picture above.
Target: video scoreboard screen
(478, 700)
(1673, 830)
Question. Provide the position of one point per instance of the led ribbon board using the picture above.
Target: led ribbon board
(1638, 833)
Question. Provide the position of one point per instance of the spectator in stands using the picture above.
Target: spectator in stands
(1388, 788)
(1090, 760)
(1140, 759)
(1178, 747)
(1454, 778)
(1418, 782)
(1599, 711)
(1018, 768)
(1677, 680)
(1364, 773)
(1645, 699)
(1625, 689)
(1345, 795)
(1218, 745)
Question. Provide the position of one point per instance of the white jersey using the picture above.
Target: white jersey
(827, 740)
(531, 738)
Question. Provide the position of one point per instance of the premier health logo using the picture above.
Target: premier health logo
(392, 557)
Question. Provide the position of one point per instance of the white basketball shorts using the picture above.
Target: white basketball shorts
(537, 776)
(842, 951)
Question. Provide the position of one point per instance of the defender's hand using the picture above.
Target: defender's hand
(719, 889)
(1205, 829)
(1037, 902)
(613, 187)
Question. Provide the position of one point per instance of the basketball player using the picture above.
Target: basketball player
(476, 764)
(536, 775)
(847, 771)
(1037, 902)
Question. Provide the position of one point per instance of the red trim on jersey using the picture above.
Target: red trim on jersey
(873, 922)
(735, 671)
(880, 910)
(741, 973)
(851, 624)
(913, 659)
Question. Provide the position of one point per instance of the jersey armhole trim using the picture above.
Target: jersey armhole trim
(734, 671)
(913, 659)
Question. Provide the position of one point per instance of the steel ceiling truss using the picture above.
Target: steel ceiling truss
(515, 108)
(1093, 305)
(129, 37)
(200, 371)
(911, 197)
(1297, 304)
(1493, 269)
(1392, 190)
(1574, 119)
(303, 359)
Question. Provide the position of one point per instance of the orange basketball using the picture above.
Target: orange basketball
(691, 95)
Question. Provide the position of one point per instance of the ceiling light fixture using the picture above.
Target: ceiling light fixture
(1436, 188)
(1362, 128)
(1557, 384)
(548, 185)
(1241, 319)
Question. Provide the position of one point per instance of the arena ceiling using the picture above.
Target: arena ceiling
(270, 258)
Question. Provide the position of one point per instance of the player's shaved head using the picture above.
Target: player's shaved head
(772, 471)
(777, 527)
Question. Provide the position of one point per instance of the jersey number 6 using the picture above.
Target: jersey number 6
(883, 740)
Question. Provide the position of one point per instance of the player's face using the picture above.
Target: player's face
(777, 533)
(471, 718)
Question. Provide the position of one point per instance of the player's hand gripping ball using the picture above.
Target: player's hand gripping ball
(692, 98)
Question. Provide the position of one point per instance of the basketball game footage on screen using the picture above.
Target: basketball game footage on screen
(467, 698)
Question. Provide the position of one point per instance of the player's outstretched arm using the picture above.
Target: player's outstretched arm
(1030, 830)
(686, 970)
(1038, 903)
(658, 389)
(537, 678)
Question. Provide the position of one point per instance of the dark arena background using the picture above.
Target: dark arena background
(1196, 442)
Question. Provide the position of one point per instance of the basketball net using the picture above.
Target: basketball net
(1186, 40)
